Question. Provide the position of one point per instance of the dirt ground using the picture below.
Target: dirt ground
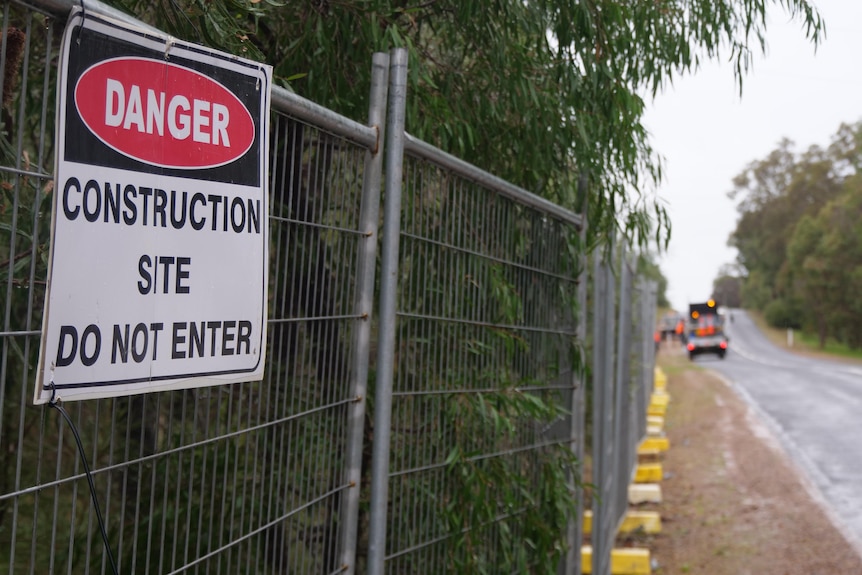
(734, 504)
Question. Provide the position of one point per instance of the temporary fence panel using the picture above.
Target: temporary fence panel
(479, 295)
(252, 477)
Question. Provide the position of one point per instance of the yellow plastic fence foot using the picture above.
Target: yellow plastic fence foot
(655, 409)
(659, 398)
(630, 561)
(655, 420)
(649, 456)
(659, 378)
(644, 493)
(648, 473)
(623, 561)
(586, 559)
(646, 521)
(657, 443)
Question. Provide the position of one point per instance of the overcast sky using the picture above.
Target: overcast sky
(707, 133)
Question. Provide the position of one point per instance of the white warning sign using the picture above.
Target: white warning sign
(158, 264)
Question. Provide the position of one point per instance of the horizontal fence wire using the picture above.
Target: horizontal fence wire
(486, 309)
(243, 478)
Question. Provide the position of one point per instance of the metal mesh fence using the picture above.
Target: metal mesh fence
(264, 477)
(243, 478)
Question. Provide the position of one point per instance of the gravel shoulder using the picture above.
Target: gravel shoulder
(734, 503)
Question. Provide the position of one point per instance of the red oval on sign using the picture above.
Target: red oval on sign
(163, 114)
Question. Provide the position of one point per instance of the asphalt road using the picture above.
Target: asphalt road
(813, 406)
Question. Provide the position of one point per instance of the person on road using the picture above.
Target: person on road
(680, 331)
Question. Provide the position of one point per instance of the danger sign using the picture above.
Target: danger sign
(157, 276)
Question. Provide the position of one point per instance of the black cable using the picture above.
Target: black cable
(55, 404)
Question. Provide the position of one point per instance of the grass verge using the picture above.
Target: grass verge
(803, 342)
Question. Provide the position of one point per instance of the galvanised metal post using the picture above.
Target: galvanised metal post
(651, 319)
(647, 352)
(626, 438)
(364, 302)
(388, 295)
(599, 328)
(641, 361)
(603, 410)
(622, 403)
(572, 563)
(609, 441)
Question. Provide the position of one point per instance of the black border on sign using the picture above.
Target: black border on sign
(159, 378)
(79, 19)
(95, 151)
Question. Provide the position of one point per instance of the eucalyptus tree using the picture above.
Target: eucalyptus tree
(825, 253)
(537, 92)
(727, 286)
(779, 198)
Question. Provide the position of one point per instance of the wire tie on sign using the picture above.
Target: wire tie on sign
(53, 400)
(83, 18)
(169, 43)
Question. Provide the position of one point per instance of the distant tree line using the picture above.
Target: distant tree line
(727, 287)
(799, 237)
